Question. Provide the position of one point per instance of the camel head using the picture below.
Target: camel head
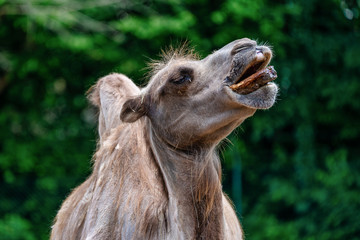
(192, 102)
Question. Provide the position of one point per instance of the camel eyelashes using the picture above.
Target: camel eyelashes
(182, 79)
(182, 75)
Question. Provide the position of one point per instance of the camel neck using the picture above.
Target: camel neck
(193, 183)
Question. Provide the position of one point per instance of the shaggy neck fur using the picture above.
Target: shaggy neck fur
(193, 183)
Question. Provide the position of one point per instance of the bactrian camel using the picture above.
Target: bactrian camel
(156, 173)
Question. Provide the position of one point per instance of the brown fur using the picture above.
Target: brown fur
(156, 174)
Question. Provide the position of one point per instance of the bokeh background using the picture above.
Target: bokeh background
(293, 171)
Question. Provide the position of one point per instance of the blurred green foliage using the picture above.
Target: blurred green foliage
(300, 161)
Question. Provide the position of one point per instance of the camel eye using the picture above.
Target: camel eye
(182, 79)
(182, 75)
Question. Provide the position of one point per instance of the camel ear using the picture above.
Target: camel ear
(109, 94)
(133, 109)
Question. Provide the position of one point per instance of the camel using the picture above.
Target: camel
(156, 173)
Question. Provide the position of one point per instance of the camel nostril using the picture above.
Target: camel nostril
(241, 47)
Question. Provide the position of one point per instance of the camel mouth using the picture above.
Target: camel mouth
(251, 84)
(256, 75)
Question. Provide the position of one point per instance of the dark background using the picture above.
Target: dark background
(293, 171)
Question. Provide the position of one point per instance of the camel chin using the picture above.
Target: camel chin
(262, 98)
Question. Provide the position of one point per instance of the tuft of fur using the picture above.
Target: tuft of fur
(183, 51)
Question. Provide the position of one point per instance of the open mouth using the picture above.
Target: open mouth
(254, 77)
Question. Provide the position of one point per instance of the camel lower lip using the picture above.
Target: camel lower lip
(255, 81)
